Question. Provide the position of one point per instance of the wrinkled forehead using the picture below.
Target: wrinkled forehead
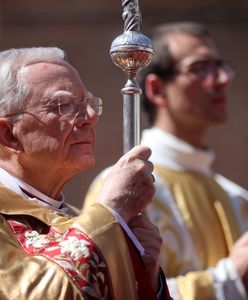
(46, 78)
(184, 46)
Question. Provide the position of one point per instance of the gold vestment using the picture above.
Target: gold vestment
(26, 275)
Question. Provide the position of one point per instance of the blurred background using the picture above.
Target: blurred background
(85, 30)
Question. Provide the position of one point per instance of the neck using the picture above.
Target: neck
(47, 184)
(196, 137)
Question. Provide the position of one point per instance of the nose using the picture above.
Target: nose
(87, 115)
(222, 78)
(226, 75)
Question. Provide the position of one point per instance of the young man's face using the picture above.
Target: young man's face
(197, 94)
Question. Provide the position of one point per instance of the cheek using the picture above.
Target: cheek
(37, 142)
(179, 101)
(43, 134)
(193, 97)
(56, 135)
(180, 96)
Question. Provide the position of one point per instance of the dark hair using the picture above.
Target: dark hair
(163, 64)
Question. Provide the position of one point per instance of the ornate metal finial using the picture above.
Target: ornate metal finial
(131, 51)
(131, 15)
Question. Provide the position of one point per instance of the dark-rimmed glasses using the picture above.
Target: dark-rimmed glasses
(207, 67)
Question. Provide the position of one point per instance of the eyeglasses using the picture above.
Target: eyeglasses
(205, 68)
(68, 105)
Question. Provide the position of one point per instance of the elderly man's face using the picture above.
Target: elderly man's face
(56, 142)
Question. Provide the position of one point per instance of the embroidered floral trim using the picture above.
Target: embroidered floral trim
(74, 252)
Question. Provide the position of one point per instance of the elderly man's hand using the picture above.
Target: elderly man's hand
(148, 235)
(129, 186)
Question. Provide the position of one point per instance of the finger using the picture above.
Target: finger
(141, 221)
(148, 238)
(153, 178)
(141, 151)
(142, 164)
(149, 167)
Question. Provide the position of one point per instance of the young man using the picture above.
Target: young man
(47, 135)
(202, 216)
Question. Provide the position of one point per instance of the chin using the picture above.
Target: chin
(86, 161)
(221, 120)
(218, 117)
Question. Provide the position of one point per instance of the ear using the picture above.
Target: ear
(7, 139)
(155, 90)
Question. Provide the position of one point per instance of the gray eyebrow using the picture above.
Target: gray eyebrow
(61, 93)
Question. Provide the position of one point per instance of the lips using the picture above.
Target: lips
(85, 147)
(85, 142)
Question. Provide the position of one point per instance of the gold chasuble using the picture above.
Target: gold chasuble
(205, 210)
(46, 255)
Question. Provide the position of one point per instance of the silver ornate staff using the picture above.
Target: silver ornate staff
(131, 51)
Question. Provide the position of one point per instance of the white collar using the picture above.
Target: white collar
(19, 186)
(170, 151)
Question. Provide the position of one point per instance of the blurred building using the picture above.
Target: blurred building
(86, 28)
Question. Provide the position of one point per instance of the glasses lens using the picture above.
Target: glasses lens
(67, 105)
(230, 70)
(70, 106)
(205, 68)
(95, 103)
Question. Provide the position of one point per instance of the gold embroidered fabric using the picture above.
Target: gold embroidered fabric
(25, 277)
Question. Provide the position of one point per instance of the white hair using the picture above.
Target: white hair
(13, 92)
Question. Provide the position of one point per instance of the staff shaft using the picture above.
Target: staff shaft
(131, 121)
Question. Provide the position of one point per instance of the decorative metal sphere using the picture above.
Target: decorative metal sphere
(131, 51)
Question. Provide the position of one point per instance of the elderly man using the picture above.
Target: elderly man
(201, 215)
(47, 135)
